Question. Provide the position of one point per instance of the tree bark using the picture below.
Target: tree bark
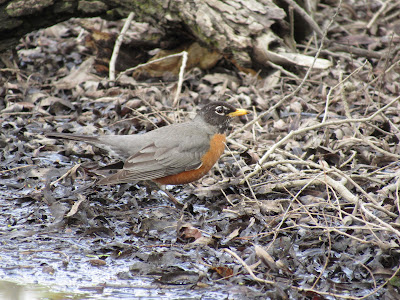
(20, 17)
(228, 26)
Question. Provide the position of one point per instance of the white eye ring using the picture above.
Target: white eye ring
(220, 110)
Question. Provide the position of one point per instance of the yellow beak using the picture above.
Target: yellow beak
(239, 112)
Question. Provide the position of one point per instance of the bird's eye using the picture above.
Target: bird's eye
(220, 110)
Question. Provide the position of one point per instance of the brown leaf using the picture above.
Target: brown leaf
(223, 271)
(78, 76)
(265, 257)
(233, 234)
(198, 56)
(74, 208)
(189, 232)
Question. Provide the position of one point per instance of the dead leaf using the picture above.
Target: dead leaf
(265, 258)
(77, 76)
(50, 101)
(75, 207)
(204, 240)
(18, 107)
(233, 234)
(223, 271)
(198, 56)
(190, 232)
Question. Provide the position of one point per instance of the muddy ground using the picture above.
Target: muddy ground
(303, 205)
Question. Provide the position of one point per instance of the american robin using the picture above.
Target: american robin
(173, 154)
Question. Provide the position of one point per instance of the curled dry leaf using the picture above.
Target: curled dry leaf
(265, 257)
(203, 240)
(189, 232)
(75, 207)
(231, 236)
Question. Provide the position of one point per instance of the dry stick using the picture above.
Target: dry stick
(288, 184)
(248, 269)
(237, 144)
(395, 273)
(328, 96)
(180, 81)
(383, 169)
(341, 189)
(387, 227)
(371, 215)
(148, 63)
(70, 171)
(371, 227)
(356, 261)
(387, 153)
(291, 18)
(259, 166)
(306, 17)
(241, 170)
(341, 232)
(376, 205)
(117, 46)
(16, 168)
(376, 15)
(325, 266)
(283, 70)
(389, 18)
(368, 226)
(336, 185)
(337, 204)
(397, 195)
(353, 154)
(396, 64)
(390, 188)
(184, 59)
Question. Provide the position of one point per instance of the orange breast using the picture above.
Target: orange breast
(217, 147)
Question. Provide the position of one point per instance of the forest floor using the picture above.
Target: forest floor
(304, 204)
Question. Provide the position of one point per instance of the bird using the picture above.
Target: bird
(171, 155)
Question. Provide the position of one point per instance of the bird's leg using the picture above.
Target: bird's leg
(171, 197)
(151, 185)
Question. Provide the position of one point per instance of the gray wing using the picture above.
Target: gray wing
(164, 157)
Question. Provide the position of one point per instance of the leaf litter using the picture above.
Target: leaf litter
(304, 203)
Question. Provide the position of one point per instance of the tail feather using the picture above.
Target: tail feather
(112, 179)
(73, 137)
(120, 146)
